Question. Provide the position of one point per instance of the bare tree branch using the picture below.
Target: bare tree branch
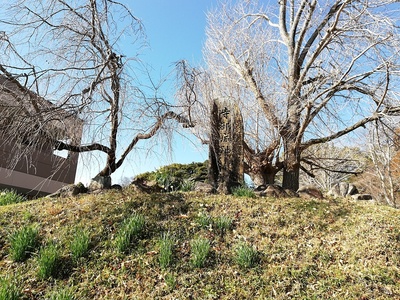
(337, 71)
(82, 76)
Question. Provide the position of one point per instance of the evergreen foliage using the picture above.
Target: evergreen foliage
(177, 176)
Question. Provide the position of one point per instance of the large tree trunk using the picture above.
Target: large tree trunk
(291, 163)
(261, 170)
(291, 169)
(263, 176)
(291, 178)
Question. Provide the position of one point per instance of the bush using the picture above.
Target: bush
(23, 242)
(10, 197)
(9, 290)
(179, 176)
(79, 246)
(131, 229)
(49, 260)
(166, 250)
(245, 255)
(200, 247)
(243, 191)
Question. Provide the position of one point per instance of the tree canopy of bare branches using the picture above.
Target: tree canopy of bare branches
(303, 73)
(82, 59)
(384, 155)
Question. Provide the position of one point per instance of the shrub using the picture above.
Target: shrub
(166, 244)
(48, 261)
(23, 242)
(178, 175)
(245, 255)
(131, 229)
(200, 248)
(10, 197)
(9, 290)
(243, 191)
(79, 246)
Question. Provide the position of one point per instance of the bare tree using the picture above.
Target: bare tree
(304, 73)
(83, 58)
(198, 89)
(383, 148)
(327, 164)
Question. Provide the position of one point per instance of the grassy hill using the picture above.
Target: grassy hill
(139, 246)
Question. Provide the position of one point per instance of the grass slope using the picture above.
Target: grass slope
(306, 249)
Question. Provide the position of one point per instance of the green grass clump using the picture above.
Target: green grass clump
(10, 197)
(223, 223)
(9, 290)
(245, 255)
(64, 294)
(49, 261)
(243, 191)
(80, 243)
(187, 185)
(23, 242)
(131, 229)
(165, 256)
(170, 281)
(200, 248)
(204, 220)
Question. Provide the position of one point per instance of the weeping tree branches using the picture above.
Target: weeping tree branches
(66, 60)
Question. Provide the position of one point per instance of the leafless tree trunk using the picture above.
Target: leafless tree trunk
(304, 72)
(70, 56)
(383, 148)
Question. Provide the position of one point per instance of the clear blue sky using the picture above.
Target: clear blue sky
(175, 30)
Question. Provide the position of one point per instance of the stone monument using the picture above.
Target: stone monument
(226, 147)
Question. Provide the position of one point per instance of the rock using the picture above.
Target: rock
(362, 197)
(309, 192)
(142, 186)
(69, 190)
(343, 189)
(97, 192)
(260, 188)
(203, 187)
(291, 193)
(80, 188)
(116, 187)
(334, 191)
(352, 190)
(275, 191)
(100, 183)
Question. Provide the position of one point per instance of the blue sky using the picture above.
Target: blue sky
(175, 30)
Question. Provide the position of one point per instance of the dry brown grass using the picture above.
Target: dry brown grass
(307, 249)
